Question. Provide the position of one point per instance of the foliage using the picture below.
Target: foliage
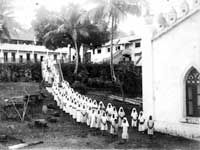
(70, 26)
(98, 76)
(45, 22)
(90, 75)
(20, 72)
(113, 11)
(127, 78)
(80, 87)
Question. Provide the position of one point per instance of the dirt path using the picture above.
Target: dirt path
(67, 134)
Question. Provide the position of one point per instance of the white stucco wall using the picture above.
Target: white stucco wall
(174, 53)
(105, 55)
(23, 49)
(165, 64)
(96, 58)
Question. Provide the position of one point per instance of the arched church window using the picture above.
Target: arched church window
(193, 93)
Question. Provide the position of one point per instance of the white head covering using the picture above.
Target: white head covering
(109, 105)
(101, 105)
(121, 112)
(125, 122)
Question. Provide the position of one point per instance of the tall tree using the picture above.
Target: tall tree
(76, 29)
(73, 19)
(113, 11)
(45, 22)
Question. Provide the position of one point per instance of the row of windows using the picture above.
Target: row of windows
(137, 45)
(13, 57)
(21, 59)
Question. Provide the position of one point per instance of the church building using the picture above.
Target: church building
(171, 70)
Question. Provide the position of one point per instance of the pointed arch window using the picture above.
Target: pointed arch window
(193, 93)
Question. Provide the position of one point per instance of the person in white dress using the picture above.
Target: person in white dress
(150, 127)
(121, 115)
(75, 110)
(134, 118)
(93, 119)
(101, 106)
(141, 119)
(89, 112)
(114, 112)
(109, 114)
(84, 114)
(95, 105)
(112, 123)
(104, 126)
(125, 126)
(98, 119)
(79, 114)
(116, 127)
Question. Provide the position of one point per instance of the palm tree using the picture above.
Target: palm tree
(74, 25)
(113, 11)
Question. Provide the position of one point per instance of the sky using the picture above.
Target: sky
(24, 10)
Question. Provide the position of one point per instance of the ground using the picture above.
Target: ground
(67, 134)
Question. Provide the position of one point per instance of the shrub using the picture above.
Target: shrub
(20, 72)
(80, 87)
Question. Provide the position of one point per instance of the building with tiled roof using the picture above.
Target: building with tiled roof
(21, 48)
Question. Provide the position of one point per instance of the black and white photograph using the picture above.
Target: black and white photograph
(99, 74)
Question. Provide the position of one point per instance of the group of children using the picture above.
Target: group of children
(95, 115)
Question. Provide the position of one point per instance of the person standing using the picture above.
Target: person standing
(121, 114)
(134, 116)
(104, 126)
(125, 126)
(150, 126)
(141, 119)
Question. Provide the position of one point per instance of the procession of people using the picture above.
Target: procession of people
(94, 114)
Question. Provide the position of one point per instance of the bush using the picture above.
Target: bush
(20, 72)
(79, 87)
(90, 75)
(98, 76)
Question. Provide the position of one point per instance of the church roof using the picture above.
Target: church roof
(164, 24)
(23, 35)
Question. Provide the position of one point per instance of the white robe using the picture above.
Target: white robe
(79, 115)
(98, 120)
(134, 116)
(89, 112)
(141, 126)
(93, 120)
(84, 116)
(121, 115)
(104, 125)
(125, 130)
(150, 125)
(112, 128)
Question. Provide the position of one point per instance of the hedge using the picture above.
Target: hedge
(20, 72)
(98, 76)
(91, 75)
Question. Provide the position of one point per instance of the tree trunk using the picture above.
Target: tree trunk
(122, 90)
(69, 54)
(77, 57)
(111, 51)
